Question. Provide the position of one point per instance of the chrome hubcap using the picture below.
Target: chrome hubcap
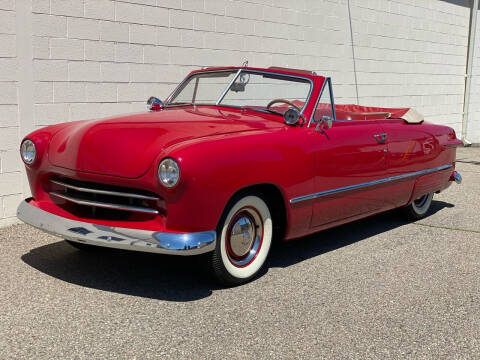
(244, 237)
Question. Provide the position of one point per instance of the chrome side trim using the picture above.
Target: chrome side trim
(105, 205)
(116, 237)
(368, 184)
(105, 192)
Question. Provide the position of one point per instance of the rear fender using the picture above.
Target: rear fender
(429, 183)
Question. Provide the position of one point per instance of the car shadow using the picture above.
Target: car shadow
(293, 252)
(181, 279)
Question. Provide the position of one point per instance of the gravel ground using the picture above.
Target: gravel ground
(376, 288)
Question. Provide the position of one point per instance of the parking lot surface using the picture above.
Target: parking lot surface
(375, 288)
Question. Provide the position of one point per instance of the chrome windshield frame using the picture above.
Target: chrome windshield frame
(182, 85)
(327, 82)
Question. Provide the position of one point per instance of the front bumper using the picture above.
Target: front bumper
(117, 237)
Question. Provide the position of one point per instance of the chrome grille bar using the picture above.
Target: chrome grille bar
(105, 205)
(105, 192)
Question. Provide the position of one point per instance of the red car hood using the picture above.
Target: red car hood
(126, 146)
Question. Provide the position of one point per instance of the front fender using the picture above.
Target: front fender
(214, 170)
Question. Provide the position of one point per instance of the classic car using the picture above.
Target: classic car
(234, 158)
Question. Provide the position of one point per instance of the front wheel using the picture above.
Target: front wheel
(244, 237)
(418, 208)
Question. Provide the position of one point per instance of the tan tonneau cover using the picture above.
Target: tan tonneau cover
(412, 116)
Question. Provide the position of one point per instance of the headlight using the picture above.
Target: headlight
(168, 172)
(28, 152)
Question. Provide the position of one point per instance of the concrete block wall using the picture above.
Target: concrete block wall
(413, 53)
(64, 60)
(10, 167)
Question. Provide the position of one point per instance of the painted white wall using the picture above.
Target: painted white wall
(64, 60)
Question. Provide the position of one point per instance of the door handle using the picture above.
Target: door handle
(381, 138)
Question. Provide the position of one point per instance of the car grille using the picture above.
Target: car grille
(100, 196)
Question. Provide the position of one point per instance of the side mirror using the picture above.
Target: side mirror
(325, 123)
(154, 104)
(292, 116)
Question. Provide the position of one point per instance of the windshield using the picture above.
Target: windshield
(243, 88)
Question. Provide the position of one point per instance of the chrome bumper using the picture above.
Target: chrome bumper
(117, 237)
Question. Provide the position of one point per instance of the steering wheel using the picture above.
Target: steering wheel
(285, 101)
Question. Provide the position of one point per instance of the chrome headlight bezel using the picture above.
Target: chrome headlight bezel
(168, 172)
(28, 151)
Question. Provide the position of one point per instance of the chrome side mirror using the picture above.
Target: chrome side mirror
(154, 104)
(325, 123)
(292, 116)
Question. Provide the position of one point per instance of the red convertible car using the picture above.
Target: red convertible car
(234, 158)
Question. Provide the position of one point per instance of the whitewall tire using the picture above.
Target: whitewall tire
(244, 238)
(419, 207)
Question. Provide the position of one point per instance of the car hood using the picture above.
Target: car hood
(126, 146)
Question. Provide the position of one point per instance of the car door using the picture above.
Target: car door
(350, 158)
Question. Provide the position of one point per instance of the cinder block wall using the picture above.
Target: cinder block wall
(10, 175)
(413, 53)
(64, 60)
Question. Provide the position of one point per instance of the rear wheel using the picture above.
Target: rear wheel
(244, 237)
(418, 208)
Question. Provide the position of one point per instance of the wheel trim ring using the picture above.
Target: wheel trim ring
(256, 246)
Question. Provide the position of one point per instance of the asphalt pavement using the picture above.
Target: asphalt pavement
(376, 288)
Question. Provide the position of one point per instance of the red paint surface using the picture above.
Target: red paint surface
(222, 150)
